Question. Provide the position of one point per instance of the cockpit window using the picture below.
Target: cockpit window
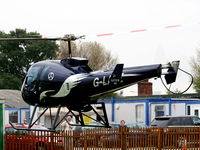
(32, 74)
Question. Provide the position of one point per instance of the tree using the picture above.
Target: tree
(98, 56)
(176, 91)
(9, 81)
(17, 56)
(195, 63)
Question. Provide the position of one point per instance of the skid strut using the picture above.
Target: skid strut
(100, 120)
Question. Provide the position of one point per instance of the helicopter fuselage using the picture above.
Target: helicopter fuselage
(70, 82)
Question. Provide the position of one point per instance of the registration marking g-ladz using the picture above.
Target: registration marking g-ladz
(104, 81)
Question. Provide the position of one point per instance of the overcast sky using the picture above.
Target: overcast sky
(157, 44)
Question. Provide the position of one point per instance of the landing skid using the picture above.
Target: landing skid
(102, 120)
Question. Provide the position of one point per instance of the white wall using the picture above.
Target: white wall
(124, 111)
(6, 117)
(178, 109)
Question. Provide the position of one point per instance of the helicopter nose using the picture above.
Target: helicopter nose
(29, 95)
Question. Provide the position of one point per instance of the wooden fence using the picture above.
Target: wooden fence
(101, 139)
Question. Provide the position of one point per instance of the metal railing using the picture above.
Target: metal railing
(101, 139)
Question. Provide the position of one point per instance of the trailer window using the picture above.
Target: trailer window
(139, 113)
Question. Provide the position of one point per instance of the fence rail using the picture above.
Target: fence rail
(101, 139)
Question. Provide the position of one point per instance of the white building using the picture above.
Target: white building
(144, 110)
(16, 110)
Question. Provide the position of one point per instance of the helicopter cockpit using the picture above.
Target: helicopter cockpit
(48, 77)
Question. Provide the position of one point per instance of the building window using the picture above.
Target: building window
(159, 110)
(13, 116)
(27, 116)
(196, 112)
(188, 110)
(139, 113)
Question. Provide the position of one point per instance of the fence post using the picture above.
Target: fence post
(85, 143)
(160, 135)
(123, 138)
(199, 137)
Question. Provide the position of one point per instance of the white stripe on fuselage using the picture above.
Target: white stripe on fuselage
(71, 82)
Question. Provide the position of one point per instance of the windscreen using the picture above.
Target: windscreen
(196, 120)
(33, 74)
(161, 122)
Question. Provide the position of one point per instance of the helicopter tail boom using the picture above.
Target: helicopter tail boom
(124, 77)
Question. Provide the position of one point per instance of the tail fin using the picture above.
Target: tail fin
(117, 74)
(170, 77)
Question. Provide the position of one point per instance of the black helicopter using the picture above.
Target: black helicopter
(71, 83)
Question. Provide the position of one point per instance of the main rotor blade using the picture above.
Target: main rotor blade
(17, 39)
(66, 38)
